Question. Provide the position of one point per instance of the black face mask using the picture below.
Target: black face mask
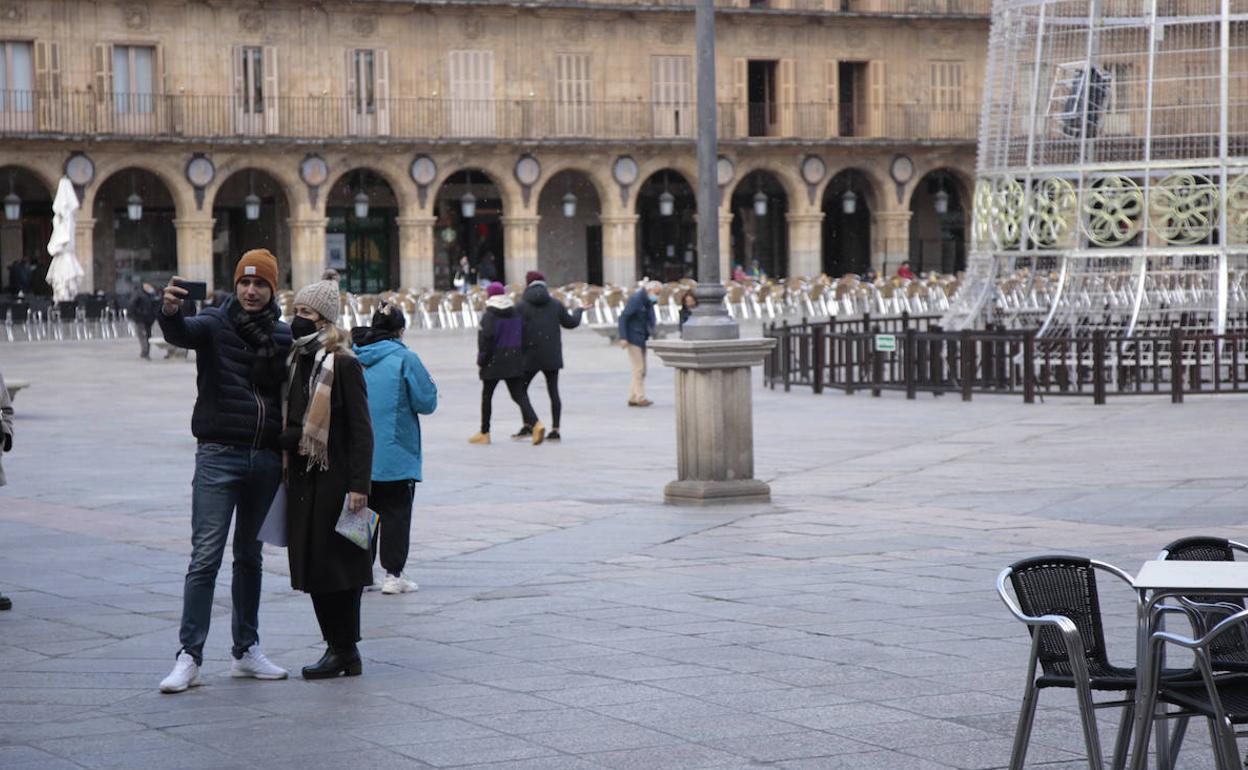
(302, 327)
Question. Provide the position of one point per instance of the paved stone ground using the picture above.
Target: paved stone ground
(566, 618)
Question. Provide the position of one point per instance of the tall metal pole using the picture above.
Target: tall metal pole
(710, 320)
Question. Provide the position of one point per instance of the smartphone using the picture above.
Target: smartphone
(194, 289)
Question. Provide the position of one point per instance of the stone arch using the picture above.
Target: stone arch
(876, 186)
(763, 238)
(966, 182)
(666, 246)
(794, 188)
(167, 171)
(602, 187)
(848, 238)
(479, 238)
(28, 237)
(286, 174)
(39, 171)
(499, 174)
(234, 234)
(938, 239)
(399, 183)
(685, 166)
(569, 249)
(122, 249)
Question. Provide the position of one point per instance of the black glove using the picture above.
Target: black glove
(8, 442)
(289, 438)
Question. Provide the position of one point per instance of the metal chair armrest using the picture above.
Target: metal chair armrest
(1237, 619)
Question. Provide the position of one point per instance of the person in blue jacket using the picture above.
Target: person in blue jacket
(637, 324)
(399, 391)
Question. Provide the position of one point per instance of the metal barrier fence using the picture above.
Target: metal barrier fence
(913, 355)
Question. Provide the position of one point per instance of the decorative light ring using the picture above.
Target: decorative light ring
(1237, 210)
(1008, 205)
(1053, 212)
(1183, 208)
(1112, 207)
(981, 212)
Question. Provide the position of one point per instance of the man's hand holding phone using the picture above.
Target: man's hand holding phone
(179, 290)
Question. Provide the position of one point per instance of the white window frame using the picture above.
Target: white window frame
(671, 91)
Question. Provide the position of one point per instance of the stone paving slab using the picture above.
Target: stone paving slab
(566, 617)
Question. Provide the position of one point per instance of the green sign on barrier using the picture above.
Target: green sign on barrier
(885, 343)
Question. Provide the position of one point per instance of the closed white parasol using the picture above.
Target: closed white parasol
(64, 272)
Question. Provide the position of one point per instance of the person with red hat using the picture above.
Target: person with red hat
(241, 349)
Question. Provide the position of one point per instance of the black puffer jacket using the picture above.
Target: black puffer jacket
(543, 345)
(229, 408)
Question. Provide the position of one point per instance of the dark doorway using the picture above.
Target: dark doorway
(667, 231)
(478, 237)
(593, 254)
(762, 96)
(852, 84)
(363, 249)
(846, 225)
(760, 231)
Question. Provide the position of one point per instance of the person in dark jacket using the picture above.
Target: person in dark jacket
(142, 312)
(328, 438)
(500, 357)
(688, 301)
(543, 342)
(637, 322)
(399, 391)
(241, 364)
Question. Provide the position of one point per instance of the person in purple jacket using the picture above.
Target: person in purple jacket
(500, 357)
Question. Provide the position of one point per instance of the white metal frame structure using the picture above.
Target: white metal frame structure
(1113, 167)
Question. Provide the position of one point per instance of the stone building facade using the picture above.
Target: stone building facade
(355, 134)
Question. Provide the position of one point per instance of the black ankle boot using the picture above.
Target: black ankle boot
(334, 663)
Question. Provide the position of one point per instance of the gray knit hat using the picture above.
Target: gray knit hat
(322, 297)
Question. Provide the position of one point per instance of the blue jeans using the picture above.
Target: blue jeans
(227, 478)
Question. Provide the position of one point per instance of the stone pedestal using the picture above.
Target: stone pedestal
(714, 420)
(416, 252)
(619, 248)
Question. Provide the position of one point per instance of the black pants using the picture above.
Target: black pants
(338, 612)
(552, 388)
(143, 331)
(515, 386)
(393, 502)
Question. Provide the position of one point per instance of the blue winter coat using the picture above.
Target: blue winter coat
(637, 320)
(399, 389)
(229, 408)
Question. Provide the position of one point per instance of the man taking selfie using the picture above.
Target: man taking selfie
(241, 349)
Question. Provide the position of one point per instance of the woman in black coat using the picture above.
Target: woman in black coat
(500, 357)
(326, 470)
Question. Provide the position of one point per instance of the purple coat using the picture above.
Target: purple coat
(500, 352)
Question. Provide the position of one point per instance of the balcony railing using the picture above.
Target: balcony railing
(903, 7)
(327, 118)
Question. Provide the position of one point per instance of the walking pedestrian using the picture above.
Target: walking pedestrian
(328, 438)
(636, 326)
(543, 319)
(241, 363)
(465, 276)
(142, 309)
(500, 358)
(6, 445)
(399, 391)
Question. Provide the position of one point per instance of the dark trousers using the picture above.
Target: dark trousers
(552, 388)
(338, 613)
(143, 331)
(392, 500)
(515, 386)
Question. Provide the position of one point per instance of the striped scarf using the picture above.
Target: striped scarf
(314, 443)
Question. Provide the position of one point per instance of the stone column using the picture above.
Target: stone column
(520, 247)
(714, 419)
(416, 252)
(195, 249)
(725, 245)
(619, 249)
(891, 231)
(805, 243)
(307, 250)
(84, 250)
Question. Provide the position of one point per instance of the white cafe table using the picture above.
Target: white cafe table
(1156, 582)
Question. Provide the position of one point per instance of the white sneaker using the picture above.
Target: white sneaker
(255, 665)
(185, 674)
(397, 584)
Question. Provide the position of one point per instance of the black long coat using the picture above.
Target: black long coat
(321, 560)
(543, 316)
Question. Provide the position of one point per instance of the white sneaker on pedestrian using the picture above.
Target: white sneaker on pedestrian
(397, 584)
(255, 665)
(185, 674)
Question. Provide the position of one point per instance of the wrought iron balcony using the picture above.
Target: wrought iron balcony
(885, 7)
(172, 117)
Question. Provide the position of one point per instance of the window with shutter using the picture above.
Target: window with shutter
(134, 81)
(471, 93)
(48, 84)
(573, 109)
(362, 91)
(17, 79)
(249, 102)
(672, 95)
